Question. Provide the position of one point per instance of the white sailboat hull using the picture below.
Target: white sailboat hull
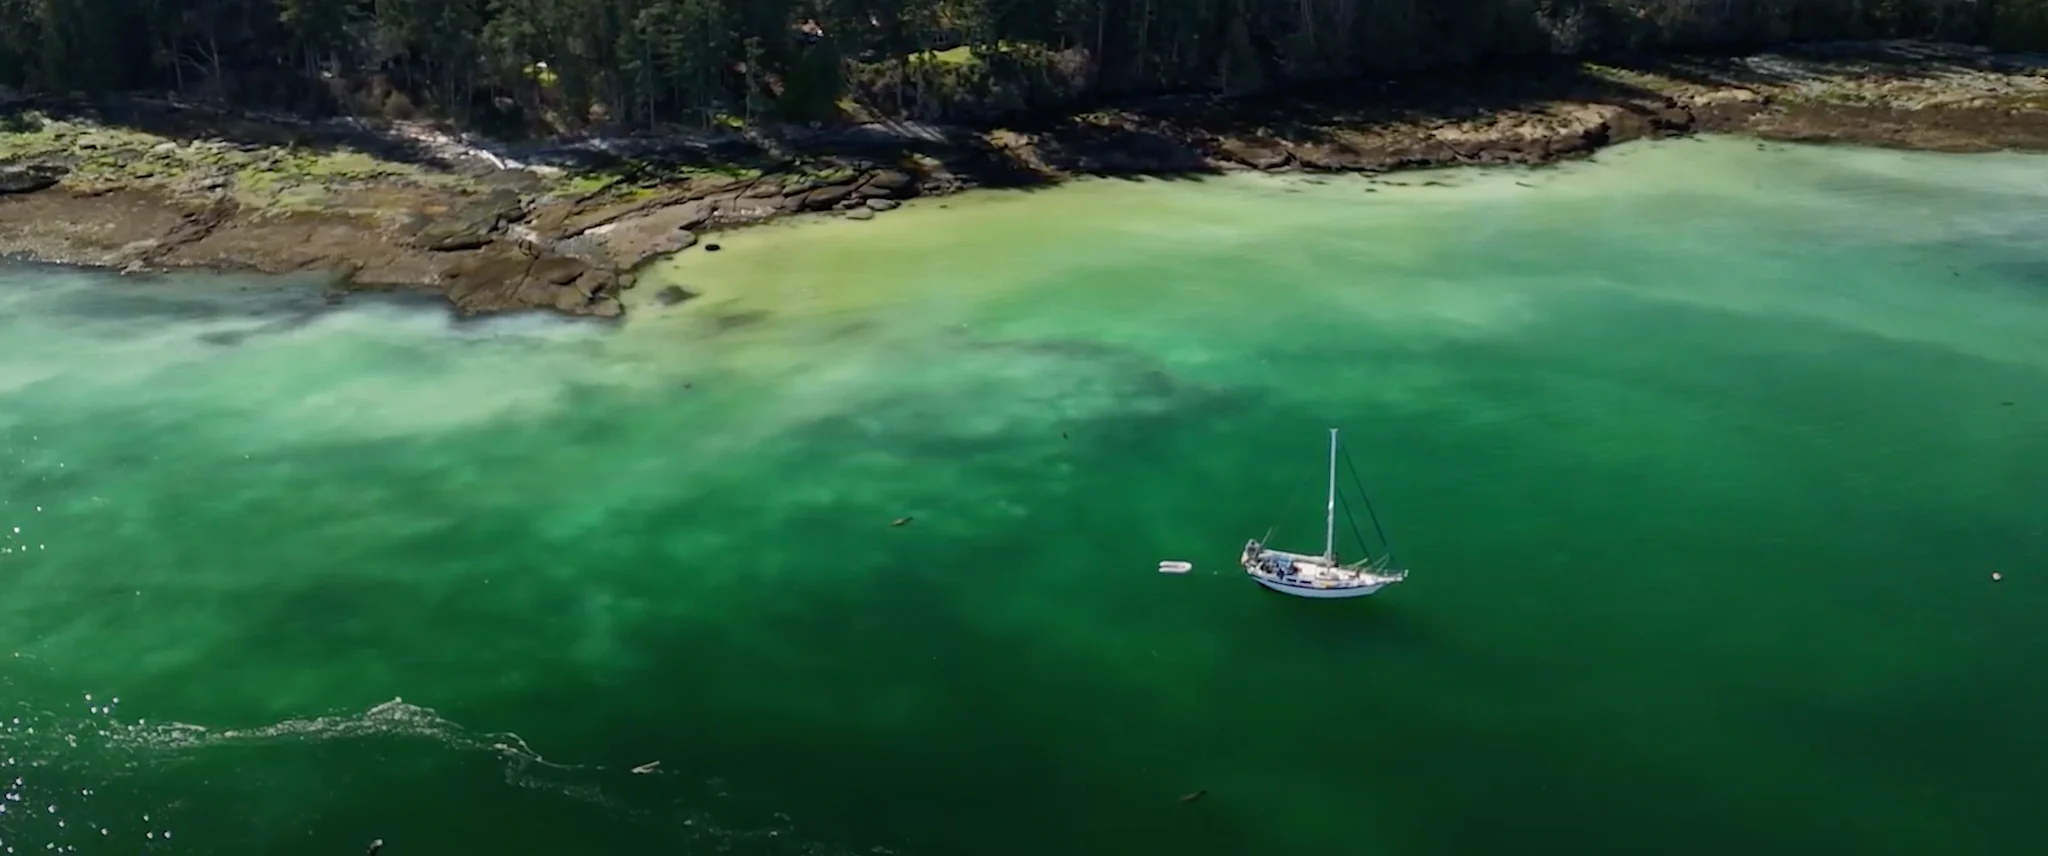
(1302, 590)
(1313, 576)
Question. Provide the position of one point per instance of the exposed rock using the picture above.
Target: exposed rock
(471, 224)
(590, 248)
(692, 214)
(588, 220)
(194, 227)
(502, 279)
(860, 214)
(572, 301)
(633, 240)
(882, 204)
(764, 189)
(515, 180)
(557, 270)
(1255, 153)
(30, 177)
(888, 183)
(596, 283)
(673, 295)
(490, 281)
(205, 183)
(824, 198)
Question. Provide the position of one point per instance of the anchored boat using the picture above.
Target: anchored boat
(1325, 576)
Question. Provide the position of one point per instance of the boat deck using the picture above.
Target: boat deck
(1299, 569)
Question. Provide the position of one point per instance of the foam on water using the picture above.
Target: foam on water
(63, 772)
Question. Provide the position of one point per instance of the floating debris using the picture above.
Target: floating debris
(648, 767)
(900, 521)
(1188, 798)
(1172, 567)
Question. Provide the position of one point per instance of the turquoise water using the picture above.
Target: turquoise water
(1703, 456)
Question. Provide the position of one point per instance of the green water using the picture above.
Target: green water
(1703, 456)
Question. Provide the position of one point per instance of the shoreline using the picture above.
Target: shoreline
(566, 225)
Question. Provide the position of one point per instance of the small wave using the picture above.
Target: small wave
(55, 764)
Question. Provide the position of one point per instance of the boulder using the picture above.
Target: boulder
(888, 183)
(30, 177)
(882, 204)
(824, 198)
(860, 214)
(572, 301)
(673, 295)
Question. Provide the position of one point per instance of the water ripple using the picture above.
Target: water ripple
(58, 768)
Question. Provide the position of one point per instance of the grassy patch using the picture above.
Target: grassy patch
(1630, 77)
(723, 170)
(826, 173)
(345, 165)
(583, 185)
(271, 178)
(960, 56)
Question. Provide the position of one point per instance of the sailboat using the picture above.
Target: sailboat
(1324, 576)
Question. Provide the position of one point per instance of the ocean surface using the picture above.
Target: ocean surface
(1703, 456)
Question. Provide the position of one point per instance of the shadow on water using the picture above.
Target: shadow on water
(1378, 625)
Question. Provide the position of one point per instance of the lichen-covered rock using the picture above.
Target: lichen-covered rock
(30, 177)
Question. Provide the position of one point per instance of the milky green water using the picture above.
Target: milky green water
(1703, 456)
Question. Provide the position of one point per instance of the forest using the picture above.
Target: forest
(563, 65)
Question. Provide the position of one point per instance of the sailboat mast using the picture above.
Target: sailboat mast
(1330, 517)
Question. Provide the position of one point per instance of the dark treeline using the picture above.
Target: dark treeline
(559, 64)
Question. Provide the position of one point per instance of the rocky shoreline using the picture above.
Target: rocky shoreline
(564, 226)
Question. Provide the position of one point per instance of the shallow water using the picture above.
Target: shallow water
(1703, 455)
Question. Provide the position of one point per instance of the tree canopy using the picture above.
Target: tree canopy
(571, 63)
